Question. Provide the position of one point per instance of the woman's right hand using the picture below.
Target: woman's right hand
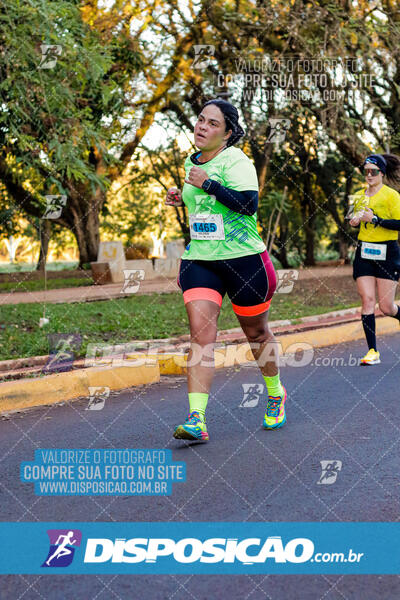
(355, 221)
(174, 197)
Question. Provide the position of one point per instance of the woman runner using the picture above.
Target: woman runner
(225, 255)
(377, 259)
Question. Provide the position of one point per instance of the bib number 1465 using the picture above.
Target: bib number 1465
(207, 227)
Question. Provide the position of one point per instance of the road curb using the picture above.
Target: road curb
(174, 363)
(59, 387)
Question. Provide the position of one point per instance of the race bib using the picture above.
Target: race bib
(206, 227)
(373, 251)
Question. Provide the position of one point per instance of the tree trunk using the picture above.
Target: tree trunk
(86, 231)
(308, 205)
(82, 216)
(343, 227)
(183, 224)
(281, 240)
(344, 247)
(310, 258)
(45, 235)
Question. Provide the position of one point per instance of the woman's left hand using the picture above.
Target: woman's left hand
(367, 215)
(196, 177)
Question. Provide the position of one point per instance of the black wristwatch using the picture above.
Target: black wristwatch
(375, 220)
(206, 184)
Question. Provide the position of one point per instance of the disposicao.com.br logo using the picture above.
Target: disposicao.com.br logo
(247, 551)
(62, 547)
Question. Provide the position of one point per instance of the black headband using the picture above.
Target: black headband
(378, 160)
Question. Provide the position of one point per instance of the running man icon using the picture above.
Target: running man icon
(62, 542)
(61, 549)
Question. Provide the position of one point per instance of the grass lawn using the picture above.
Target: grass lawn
(52, 284)
(21, 267)
(149, 316)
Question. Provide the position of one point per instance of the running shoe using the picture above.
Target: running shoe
(275, 415)
(192, 429)
(371, 358)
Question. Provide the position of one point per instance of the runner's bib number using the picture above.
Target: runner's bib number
(206, 227)
(373, 251)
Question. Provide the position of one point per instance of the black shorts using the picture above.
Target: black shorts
(249, 281)
(382, 269)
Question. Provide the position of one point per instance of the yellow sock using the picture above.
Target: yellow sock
(198, 402)
(274, 386)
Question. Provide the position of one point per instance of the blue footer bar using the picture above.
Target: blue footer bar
(223, 548)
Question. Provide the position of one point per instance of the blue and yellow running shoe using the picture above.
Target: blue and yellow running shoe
(192, 429)
(275, 415)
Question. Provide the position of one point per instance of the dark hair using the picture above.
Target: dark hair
(392, 170)
(389, 165)
(231, 117)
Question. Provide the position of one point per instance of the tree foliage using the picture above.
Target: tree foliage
(75, 129)
(61, 125)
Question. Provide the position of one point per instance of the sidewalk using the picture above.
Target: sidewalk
(162, 284)
(88, 293)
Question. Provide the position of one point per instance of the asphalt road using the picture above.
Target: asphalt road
(335, 411)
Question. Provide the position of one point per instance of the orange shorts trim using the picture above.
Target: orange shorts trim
(202, 293)
(251, 311)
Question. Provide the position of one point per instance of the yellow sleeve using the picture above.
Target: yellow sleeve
(395, 205)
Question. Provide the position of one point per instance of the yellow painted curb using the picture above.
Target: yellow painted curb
(338, 334)
(25, 393)
(237, 354)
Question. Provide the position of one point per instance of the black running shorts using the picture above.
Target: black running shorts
(382, 269)
(250, 282)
